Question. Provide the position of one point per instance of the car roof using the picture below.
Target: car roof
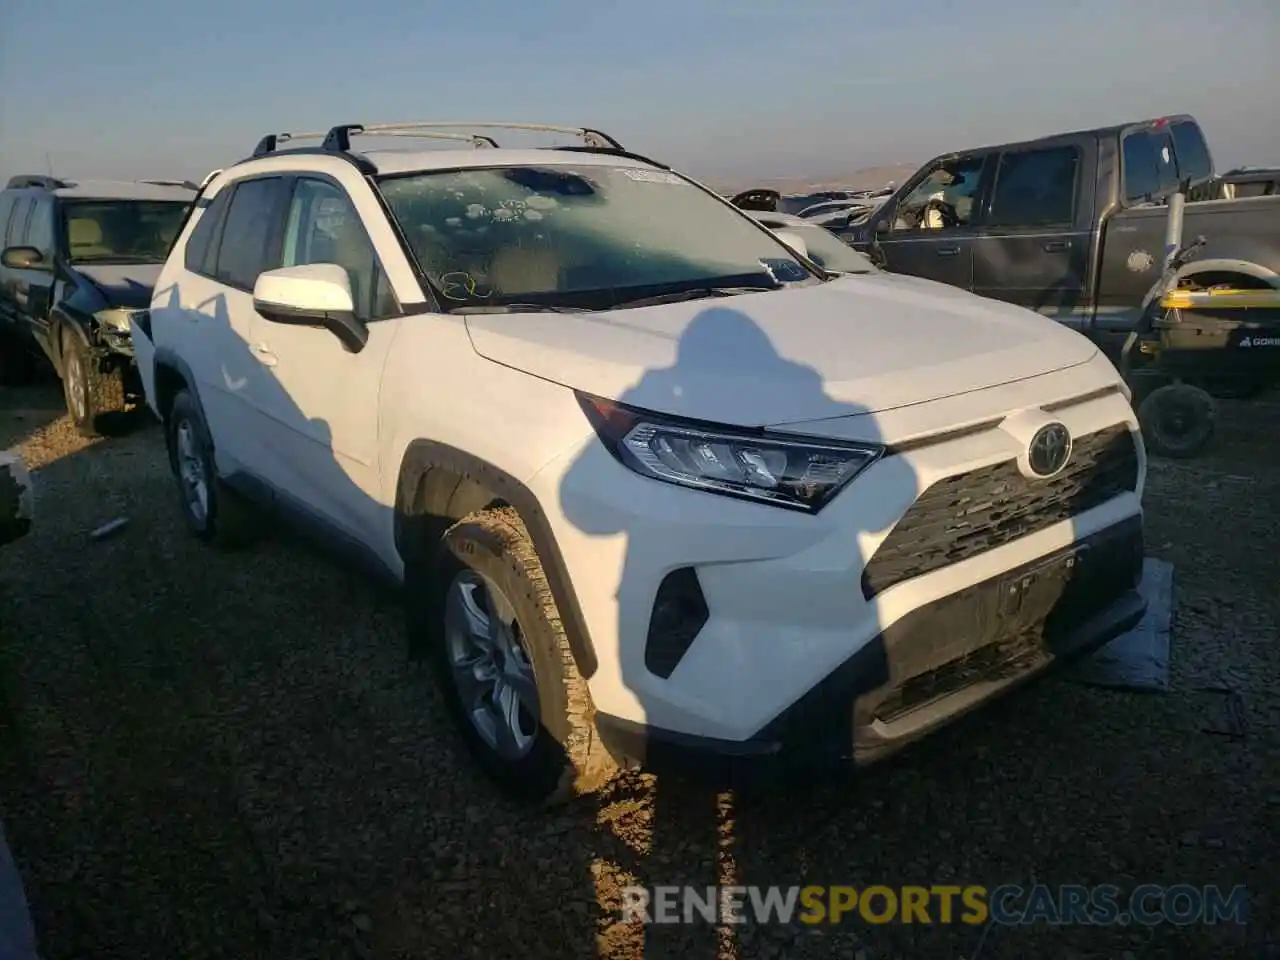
(392, 162)
(117, 190)
(415, 161)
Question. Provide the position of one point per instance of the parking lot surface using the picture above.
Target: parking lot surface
(209, 755)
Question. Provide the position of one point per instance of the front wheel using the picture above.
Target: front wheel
(504, 664)
(213, 511)
(93, 396)
(1178, 420)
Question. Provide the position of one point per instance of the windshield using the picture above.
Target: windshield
(588, 236)
(121, 231)
(830, 252)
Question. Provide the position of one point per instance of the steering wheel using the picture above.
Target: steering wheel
(946, 212)
(760, 200)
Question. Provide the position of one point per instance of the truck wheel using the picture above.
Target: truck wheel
(504, 664)
(93, 397)
(213, 511)
(1177, 420)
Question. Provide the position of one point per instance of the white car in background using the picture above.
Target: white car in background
(658, 487)
(815, 242)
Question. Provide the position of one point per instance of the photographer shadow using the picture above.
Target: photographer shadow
(722, 358)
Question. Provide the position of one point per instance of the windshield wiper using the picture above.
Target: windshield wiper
(698, 293)
(516, 308)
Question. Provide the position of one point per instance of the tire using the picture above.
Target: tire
(93, 398)
(1178, 420)
(563, 756)
(221, 517)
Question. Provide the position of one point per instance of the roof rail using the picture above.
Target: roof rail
(35, 180)
(272, 141)
(338, 138)
(187, 184)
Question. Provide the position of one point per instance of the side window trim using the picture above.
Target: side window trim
(994, 188)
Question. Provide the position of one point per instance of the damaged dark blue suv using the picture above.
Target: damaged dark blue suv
(79, 261)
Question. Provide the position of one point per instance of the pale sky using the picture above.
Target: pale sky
(720, 88)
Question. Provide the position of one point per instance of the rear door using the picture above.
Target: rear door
(206, 313)
(8, 200)
(34, 286)
(1034, 247)
(930, 231)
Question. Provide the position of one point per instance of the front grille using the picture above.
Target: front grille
(1005, 658)
(1008, 625)
(969, 514)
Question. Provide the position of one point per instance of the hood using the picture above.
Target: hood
(858, 344)
(123, 284)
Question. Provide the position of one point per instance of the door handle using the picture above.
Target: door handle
(946, 251)
(264, 354)
(1056, 246)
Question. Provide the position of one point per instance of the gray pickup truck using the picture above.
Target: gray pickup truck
(1072, 225)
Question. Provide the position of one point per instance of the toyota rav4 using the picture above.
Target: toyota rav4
(656, 485)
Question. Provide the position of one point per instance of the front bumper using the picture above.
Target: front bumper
(786, 598)
(930, 667)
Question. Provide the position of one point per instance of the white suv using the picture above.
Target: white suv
(657, 486)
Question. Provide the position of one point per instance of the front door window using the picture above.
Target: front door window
(945, 199)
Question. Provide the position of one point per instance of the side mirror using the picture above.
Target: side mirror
(313, 295)
(794, 241)
(22, 258)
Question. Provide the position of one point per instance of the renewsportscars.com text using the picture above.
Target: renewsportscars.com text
(1010, 904)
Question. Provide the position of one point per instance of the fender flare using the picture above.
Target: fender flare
(165, 357)
(444, 482)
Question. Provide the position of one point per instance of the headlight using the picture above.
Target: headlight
(737, 461)
(118, 318)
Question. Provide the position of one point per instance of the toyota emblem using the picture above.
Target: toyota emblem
(1049, 450)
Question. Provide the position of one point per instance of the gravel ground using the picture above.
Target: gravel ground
(210, 755)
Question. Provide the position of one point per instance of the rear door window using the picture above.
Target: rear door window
(247, 232)
(198, 256)
(40, 227)
(1036, 188)
(6, 207)
(17, 231)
